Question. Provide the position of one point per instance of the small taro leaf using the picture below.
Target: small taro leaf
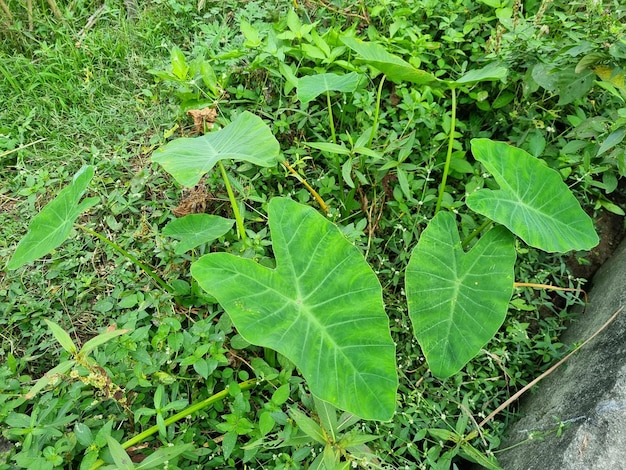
(196, 229)
(395, 68)
(311, 86)
(247, 139)
(457, 300)
(491, 72)
(321, 308)
(53, 224)
(533, 201)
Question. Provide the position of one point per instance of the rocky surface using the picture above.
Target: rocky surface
(576, 417)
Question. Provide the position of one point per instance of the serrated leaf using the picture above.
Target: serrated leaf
(457, 300)
(321, 308)
(194, 230)
(53, 224)
(311, 86)
(247, 139)
(533, 201)
(394, 67)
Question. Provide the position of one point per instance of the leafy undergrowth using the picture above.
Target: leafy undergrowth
(395, 93)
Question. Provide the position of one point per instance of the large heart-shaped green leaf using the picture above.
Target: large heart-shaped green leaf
(394, 67)
(53, 224)
(311, 86)
(196, 229)
(457, 300)
(247, 138)
(321, 307)
(533, 201)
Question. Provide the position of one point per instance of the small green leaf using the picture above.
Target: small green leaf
(321, 308)
(159, 458)
(53, 224)
(247, 139)
(120, 457)
(62, 337)
(533, 201)
(395, 68)
(102, 338)
(457, 300)
(329, 147)
(50, 376)
(194, 230)
(308, 426)
(83, 434)
(179, 65)
(491, 72)
(311, 86)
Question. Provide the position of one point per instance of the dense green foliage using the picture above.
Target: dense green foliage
(374, 104)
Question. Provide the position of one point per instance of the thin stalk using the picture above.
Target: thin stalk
(147, 269)
(376, 112)
(233, 202)
(178, 416)
(330, 117)
(475, 233)
(315, 194)
(446, 168)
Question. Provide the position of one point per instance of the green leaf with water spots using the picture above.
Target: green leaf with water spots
(245, 139)
(321, 307)
(533, 201)
(194, 230)
(53, 224)
(458, 300)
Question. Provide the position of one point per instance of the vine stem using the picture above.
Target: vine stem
(183, 414)
(446, 167)
(315, 194)
(233, 202)
(147, 269)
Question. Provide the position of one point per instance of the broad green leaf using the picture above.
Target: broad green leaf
(457, 300)
(321, 308)
(533, 201)
(196, 229)
(62, 337)
(489, 73)
(247, 139)
(308, 426)
(395, 68)
(179, 65)
(311, 86)
(53, 224)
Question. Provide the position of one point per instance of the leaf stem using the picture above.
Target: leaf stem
(376, 112)
(315, 194)
(446, 168)
(475, 233)
(330, 117)
(147, 269)
(178, 416)
(233, 202)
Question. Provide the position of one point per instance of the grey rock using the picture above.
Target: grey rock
(577, 415)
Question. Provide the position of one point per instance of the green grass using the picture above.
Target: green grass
(68, 100)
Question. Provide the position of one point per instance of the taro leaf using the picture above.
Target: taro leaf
(53, 224)
(533, 201)
(196, 229)
(321, 307)
(247, 139)
(457, 300)
(395, 68)
(311, 86)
